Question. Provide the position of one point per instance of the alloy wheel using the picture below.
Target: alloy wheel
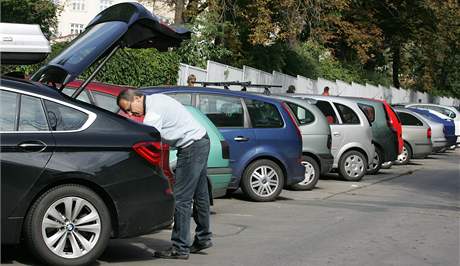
(403, 156)
(354, 165)
(264, 181)
(71, 227)
(309, 173)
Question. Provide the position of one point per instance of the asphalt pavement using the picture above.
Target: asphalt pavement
(407, 215)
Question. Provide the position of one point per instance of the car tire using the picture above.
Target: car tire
(377, 162)
(77, 227)
(386, 165)
(262, 180)
(405, 156)
(352, 165)
(312, 173)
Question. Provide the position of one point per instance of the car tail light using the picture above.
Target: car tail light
(293, 120)
(329, 141)
(156, 154)
(428, 133)
(225, 149)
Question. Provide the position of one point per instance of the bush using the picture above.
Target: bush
(131, 67)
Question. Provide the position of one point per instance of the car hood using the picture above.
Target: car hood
(128, 25)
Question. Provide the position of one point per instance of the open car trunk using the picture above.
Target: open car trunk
(125, 25)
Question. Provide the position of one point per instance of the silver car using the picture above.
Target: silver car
(417, 135)
(316, 140)
(352, 146)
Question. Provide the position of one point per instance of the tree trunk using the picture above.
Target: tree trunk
(396, 64)
(179, 12)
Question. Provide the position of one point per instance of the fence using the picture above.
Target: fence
(221, 72)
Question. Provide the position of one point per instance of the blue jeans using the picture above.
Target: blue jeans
(191, 185)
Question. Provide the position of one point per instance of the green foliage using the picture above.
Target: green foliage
(41, 12)
(131, 67)
(203, 45)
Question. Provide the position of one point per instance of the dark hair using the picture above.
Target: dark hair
(128, 95)
(291, 89)
(326, 88)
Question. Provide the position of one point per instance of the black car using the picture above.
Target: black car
(73, 174)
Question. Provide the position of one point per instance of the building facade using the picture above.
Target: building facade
(76, 14)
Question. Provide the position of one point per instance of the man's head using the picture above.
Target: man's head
(132, 102)
(326, 89)
(191, 80)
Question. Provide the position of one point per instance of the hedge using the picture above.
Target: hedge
(131, 67)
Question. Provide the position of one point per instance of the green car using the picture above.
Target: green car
(219, 171)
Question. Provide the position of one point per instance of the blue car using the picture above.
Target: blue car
(265, 142)
(449, 126)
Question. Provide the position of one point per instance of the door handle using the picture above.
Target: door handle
(336, 134)
(35, 146)
(241, 139)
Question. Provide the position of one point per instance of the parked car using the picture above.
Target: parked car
(219, 171)
(384, 132)
(449, 126)
(448, 111)
(352, 146)
(73, 174)
(264, 139)
(417, 135)
(74, 171)
(316, 140)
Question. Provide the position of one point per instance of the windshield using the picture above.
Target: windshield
(82, 53)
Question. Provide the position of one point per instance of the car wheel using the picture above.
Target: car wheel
(353, 165)
(374, 168)
(68, 225)
(405, 155)
(262, 180)
(312, 174)
(386, 165)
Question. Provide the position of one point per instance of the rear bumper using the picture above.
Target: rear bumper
(422, 150)
(326, 161)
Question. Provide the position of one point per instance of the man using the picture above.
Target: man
(179, 129)
(325, 91)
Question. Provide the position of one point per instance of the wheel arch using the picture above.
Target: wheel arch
(90, 185)
(359, 149)
(315, 157)
(271, 158)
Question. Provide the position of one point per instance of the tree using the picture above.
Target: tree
(41, 12)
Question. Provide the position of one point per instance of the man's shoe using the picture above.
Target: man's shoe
(170, 254)
(197, 247)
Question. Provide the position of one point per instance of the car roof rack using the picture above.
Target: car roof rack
(243, 84)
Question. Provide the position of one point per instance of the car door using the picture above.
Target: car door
(229, 116)
(337, 131)
(26, 146)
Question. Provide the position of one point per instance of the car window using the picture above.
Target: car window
(347, 114)
(263, 115)
(302, 115)
(82, 97)
(409, 120)
(62, 117)
(183, 98)
(368, 110)
(31, 115)
(106, 101)
(328, 111)
(8, 110)
(223, 111)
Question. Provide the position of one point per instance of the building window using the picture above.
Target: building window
(78, 5)
(105, 4)
(76, 28)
